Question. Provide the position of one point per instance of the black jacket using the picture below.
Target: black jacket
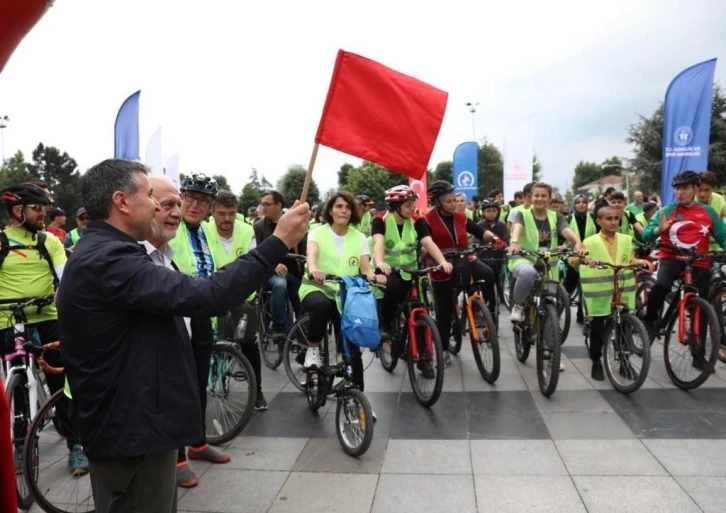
(264, 228)
(126, 350)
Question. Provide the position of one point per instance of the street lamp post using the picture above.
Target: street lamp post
(3, 124)
(472, 109)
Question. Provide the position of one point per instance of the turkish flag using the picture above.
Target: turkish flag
(18, 17)
(380, 115)
(419, 187)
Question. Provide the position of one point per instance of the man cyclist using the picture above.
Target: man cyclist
(449, 231)
(685, 223)
(75, 234)
(364, 206)
(26, 273)
(395, 239)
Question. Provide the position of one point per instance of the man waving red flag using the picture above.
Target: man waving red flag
(380, 115)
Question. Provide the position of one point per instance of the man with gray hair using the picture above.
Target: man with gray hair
(126, 348)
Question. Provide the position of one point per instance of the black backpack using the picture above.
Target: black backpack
(38, 246)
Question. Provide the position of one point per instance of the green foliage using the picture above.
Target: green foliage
(222, 182)
(586, 172)
(536, 169)
(15, 170)
(444, 171)
(291, 184)
(491, 169)
(373, 180)
(248, 198)
(343, 175)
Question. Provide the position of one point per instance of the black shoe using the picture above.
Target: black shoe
(260, 403)
(278, 332)
(580, 319)
(597, 371)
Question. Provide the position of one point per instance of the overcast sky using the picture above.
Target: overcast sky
(239, 84)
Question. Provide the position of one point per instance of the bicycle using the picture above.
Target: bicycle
(482, 325)
(617, 339)
(717, 297)
(320, 383)
(693, 315)
(541, 322)
(413, 322)
(47, 482)
(24, 385)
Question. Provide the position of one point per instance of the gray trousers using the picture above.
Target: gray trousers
(525, 274)
(145, 484)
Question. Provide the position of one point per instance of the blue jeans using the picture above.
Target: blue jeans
(284, 288)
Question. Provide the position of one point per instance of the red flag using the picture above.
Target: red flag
(419, 187)
(380, 115)
(16, 21)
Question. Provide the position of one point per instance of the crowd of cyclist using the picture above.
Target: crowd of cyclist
(346, 238)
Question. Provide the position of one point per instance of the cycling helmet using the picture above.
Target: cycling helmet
(252, 211)
(398, 195)
(200, 182)
(439, 188)
(24, 194)
(686, 178)
(365, 199)
(490, 203)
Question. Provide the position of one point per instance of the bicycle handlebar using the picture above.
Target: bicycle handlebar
(23, 303)
(617, 268)
(39, 353)
(546, 255)
(295, 256)
(474, 248)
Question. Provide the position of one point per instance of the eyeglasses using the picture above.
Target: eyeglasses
(201, 201)
(265, 204)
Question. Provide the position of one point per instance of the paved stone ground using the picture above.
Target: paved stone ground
(483, 448)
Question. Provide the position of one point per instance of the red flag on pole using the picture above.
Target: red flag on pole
(380, 115)
(419, 187)
(16, 21)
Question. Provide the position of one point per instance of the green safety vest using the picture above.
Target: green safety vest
(641, 219)
(504, 213)
(241, 241)
(625, 227)
(529, 240)
(312, 225)
(377, 293)
(332, 262)
(75, 236)
(401, 248)
(597, 284)
(590, 228)
(365, 223)
(183, 255)
(67, 389)
(716, 202)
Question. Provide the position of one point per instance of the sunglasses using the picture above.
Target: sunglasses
(36, 208)
(83, 218)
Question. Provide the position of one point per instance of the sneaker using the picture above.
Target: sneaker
(78, 461)
(597, 371)
(375, 417)
(185, 477)
(517, 314)
(562, 366)
(208, 453)
(447, 358)
(312, 358)
(260, 403)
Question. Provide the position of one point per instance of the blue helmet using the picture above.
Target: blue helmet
(199, 182)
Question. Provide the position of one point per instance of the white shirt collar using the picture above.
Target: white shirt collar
(166, 250)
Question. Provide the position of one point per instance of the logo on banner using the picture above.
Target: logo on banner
(516, 173)
(418, 187)
(465, 180)
(683, 136)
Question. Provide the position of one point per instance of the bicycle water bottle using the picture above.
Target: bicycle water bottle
(239, 332)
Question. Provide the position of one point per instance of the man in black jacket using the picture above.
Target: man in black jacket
(126, 349)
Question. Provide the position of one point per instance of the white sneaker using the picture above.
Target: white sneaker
(517, 314)
(562, 366)
(312, 358)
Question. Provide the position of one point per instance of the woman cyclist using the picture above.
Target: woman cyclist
(584, 225)
(449, 230)
(396, 237)
(335, 248)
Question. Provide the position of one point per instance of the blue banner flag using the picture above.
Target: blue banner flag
(687, 124)
(126, 129)
(466, 169)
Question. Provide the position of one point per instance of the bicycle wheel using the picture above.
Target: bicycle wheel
(718, 300)
(293, 352)
(507, 287)
(20, 415)
(522, 334)
(48, 481)
(391, 347)
(354, 422)
(486, 342)
(620, 352)
(548, 351)
(701, 356)
(564, 309)
(458, 321)
(228, 410)
(270, 349)
(427, 372)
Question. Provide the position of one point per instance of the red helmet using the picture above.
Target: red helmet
(400, 194)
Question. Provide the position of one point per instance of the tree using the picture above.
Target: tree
(221, 182)
(372, 180)
(536, 169)
(343, 175)
(291, 184)
(586, 172)
(491, 169)
(646, 135)
(15, 170)
(60, 172)
(444, 171)
(248, 198)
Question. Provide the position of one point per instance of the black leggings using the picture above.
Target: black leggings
(396, 292)
(444, 297)
(571, 281)
(322, 311)
(597, 334)
(668, 271)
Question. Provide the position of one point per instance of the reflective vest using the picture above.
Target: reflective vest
(641, 219)
(75, 236)
(183, 255)
(365, 223)
(590, 228)
(529, 240)
(444, 239)
(400, 248)
(625, 227)
(241, 241)
(717, 203)
(377, 292)
(504, 213)
(597, 284)
(67, 389)
(332, 262)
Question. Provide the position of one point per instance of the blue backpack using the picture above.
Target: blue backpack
(359, 318)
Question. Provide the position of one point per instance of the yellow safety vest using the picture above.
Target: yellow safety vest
(597, 284)
(401, 248)
(241, 242)
(529, 240)
(183, 255)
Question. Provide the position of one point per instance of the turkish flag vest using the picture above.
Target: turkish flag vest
(444, 239)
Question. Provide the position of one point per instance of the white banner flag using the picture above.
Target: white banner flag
(155, 153)
(172, 169)
(518, 156)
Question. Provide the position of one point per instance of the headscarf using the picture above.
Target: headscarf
(574, 202)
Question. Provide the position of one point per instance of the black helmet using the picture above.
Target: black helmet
(24, 194)
(252, 211)
(365, 199)
(686, 178)
(439, 188)
(200, 182)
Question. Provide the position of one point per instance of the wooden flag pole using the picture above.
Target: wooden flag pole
(309, 175)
